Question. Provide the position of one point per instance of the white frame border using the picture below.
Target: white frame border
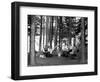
(40, 70)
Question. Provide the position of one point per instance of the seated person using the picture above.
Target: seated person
(47, 53)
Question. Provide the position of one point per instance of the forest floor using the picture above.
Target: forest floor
(55, 60)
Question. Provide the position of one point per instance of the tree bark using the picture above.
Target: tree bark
(47, 26)
(51, 31)
(83, 42)
(55, 41)
(33, 56)
(43, 31)
(61, 27)
(40, 35)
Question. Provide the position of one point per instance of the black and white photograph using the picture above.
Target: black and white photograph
(57, 40)
(53, 40)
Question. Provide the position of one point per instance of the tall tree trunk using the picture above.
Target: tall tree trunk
(47, 26)
(48, 30)
(59, 47)
(55, 41)
(58, 39)
(33, 56)
(51, 31)
(70, 35)
(83, 42)
(43, 31)
(40, 35)
(61, 26)
(58, 32)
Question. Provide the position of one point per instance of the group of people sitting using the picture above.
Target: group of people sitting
(72, 53)
(66, 49)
